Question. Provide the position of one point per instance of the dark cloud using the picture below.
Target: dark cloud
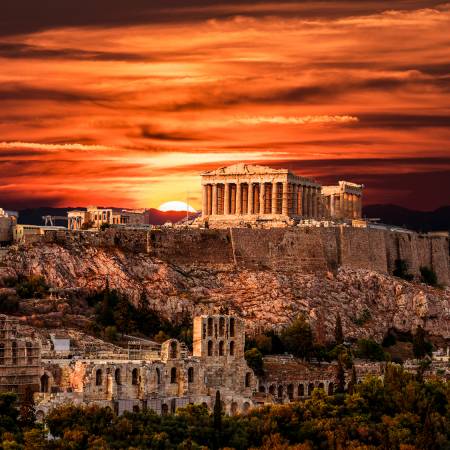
(22, 91)
(404, 121)
(149, 132)
(27, 16)
(18, 50)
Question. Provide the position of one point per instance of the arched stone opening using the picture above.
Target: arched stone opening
(290, 391)
(221, 348)
(310, 388)
(44, 383)
(134, 377)
(164, 410)
(232, 348)
(173, 350)
(190, 375)
(301, 390)
(330, 388)
(98, 377)
(117, 377)
(210, 348)
(248, 379)
(173, 375)
(280, 391)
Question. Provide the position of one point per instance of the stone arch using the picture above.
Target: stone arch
(232, 326)
(134, 377)
(301, 390)
(321, 385)
(330, 388)
(164, 409)
(190, 375)
(210, 326)
(272, 389)
(117, 377)
(173, 375)
(44, 383)
(232, 348)
(221, 326)
(310, 388)
(262, 388)
(245, 407)
(210, 348)
(205, 405)
(98, 377)
(280, 391)
(40, 416)
(290, 391)
(221, 345)
(158, 376)
(248, 379)
(173, 350)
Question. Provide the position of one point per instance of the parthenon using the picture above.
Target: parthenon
(244, 192)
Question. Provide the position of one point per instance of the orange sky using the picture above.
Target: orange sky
(125, 103)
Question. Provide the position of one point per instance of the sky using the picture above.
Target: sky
(125, 103)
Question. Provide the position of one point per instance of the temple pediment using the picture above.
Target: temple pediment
(245, 169)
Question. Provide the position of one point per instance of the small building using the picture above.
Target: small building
(95, 217)
(27, 234)
(7, 221)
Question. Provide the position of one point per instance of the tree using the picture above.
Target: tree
(340, 377)
(369, 349)
(421, 347)
(353, 381)
(338, 333)
(428, 276)
(35, 439)
(217, 418)
(298, 338)
(401, 270)
(255, 360)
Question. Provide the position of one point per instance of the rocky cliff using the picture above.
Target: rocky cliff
(369, 302)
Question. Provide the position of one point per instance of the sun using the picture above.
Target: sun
(176, 206)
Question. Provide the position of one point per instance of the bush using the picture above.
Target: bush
(9, 303)
(401, 270)
(389, 340)
(369, 349)
(428, 276)
(255, 361)
(33, 286)
(297, 338)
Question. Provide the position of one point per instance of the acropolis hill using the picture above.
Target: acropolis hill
(318, 258)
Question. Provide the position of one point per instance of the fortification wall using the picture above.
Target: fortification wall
(282, 249)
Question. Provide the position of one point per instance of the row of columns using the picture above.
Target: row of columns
(261, 198)
(345, 206)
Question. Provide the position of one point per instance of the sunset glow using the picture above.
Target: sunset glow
(176, 206)
(125, 104)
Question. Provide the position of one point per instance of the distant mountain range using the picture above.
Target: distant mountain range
(437, 220)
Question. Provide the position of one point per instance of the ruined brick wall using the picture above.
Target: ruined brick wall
(282, 249)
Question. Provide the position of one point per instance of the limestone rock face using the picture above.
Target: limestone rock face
(369, 302)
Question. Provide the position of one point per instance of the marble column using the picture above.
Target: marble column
(314, 202)
(274, 198)
(294, 199)
(250, 209)
(214, 200)
(226, 199)
(204, 200)
(300, 200)
(284, 205)
(238, 199)
(304, 201)
(262, 196)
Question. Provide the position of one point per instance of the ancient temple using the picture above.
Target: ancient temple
(248, 193)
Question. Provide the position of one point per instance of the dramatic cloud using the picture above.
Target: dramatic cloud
(125, 103)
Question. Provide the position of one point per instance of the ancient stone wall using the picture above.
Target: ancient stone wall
(282, 249)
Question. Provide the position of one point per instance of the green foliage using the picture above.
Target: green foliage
(397, 412)
(369, 349)
(428, 276)
(402, 270)
(32, 286)
(254, 360)
(104, 226)
(421, 347)
(298, 338)
(338, 333)
(363, 318)
(114, 312)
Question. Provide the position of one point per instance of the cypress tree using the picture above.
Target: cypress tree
(338, 333)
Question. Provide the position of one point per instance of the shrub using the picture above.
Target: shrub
(389, 340)
(255, 361)
(428, 276)
(369, 349)
(33, 286)
(401, 270)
